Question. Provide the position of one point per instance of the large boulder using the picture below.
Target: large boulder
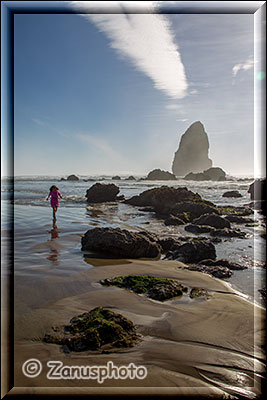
(120, 243)
(211, 174)
(159, 175)
(99, 193)
(213, 220)
(192, 154)
(257, 190)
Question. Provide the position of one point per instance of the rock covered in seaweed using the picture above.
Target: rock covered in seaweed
(213, 220)
(94, 329)
(154, 287)
(120, 243)
(232, 193)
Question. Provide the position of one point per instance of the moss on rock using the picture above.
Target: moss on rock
(94, 329)
(154, 287)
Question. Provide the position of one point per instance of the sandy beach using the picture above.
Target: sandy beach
(197, 347)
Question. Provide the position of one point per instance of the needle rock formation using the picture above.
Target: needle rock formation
(192, 154)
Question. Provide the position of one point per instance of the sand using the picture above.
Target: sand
(190, 347)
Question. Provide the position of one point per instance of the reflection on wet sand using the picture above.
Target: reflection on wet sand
(54, 252)
(101, 262)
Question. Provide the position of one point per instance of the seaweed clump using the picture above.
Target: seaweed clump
(94, 329)
(155, 288)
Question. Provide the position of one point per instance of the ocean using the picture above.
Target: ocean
(40, 250)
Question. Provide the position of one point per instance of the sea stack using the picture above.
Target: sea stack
(192, 154)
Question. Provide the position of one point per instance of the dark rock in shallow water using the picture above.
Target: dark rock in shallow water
(216, 271)
(94, 329)
(226, 232)
(224, 263)
(213, 220)
(130, 178)
(116, 178)
(154, 287)
(120, 243)
(192, 154)
(257, 189)
(232, 193)
(100, 193)
(198, 228)
(159, 175)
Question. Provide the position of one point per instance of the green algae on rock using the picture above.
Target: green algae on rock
(94, 329)
(154, 287)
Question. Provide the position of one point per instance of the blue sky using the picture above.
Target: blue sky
(113, 93)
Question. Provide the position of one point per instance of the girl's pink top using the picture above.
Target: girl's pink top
(54, 198)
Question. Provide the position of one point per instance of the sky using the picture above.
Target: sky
(113, 93)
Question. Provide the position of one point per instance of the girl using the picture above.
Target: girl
(54, 194)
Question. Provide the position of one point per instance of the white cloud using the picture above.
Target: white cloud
(245, 66)
(146, 40)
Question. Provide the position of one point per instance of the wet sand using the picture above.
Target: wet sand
(189, 346)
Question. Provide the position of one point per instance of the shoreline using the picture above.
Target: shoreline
(202, 338)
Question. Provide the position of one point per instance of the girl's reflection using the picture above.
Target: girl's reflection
(54, 253)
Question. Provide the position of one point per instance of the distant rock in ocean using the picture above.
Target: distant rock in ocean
(192, 154)
(70, 178)
(211, 174)
(159, 175)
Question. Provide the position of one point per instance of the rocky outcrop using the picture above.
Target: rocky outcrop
(211, 174)
(116, 178)
(94, 329)
(168, 201)
(159, 175)
(232, 193)
(100, 193)
(192, 154)
(120, 243)
(130, 178)
(257, 190)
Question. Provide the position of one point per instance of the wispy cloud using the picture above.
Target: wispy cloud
(38, 121)
(146, 40)
(243, 66)
(99, 144)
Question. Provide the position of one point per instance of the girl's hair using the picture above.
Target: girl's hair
(53, 187)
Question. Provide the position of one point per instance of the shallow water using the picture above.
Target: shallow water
(41, 250)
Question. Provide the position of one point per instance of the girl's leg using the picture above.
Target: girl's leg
(54, 213)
